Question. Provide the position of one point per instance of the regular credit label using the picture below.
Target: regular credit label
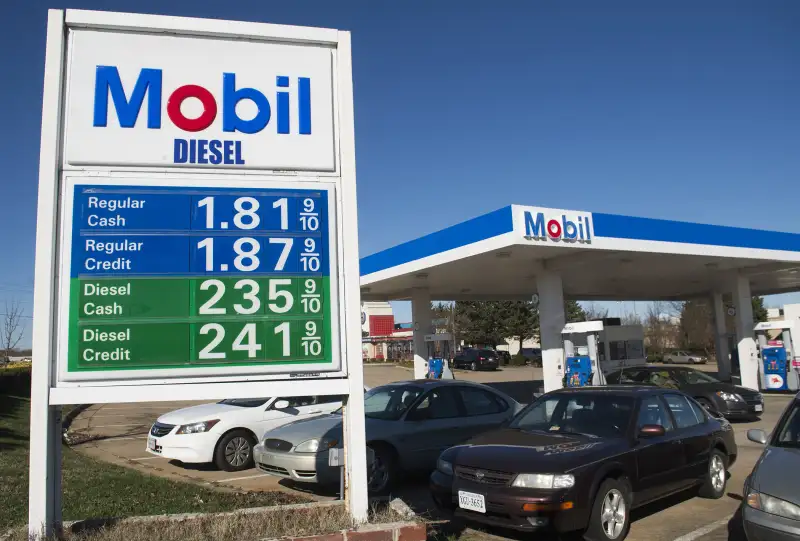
(196, 277)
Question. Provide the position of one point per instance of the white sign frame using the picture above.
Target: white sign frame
(45, 437)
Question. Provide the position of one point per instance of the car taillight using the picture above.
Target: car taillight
(481, 358)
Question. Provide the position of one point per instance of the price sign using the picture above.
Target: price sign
(210, 280)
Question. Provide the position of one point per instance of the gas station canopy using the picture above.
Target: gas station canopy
(498, 256)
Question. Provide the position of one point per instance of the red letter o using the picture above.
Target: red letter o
(554, 229)
(192, 124)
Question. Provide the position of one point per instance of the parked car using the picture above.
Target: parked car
(505, 357)
(477, 359)
(581, 459)
(771, 506)
(408, 425)
(731, 401)
(684, 357)
(224, 433)
(533, 355)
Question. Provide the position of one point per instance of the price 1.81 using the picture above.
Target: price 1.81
(264, 213)
(259, 296)
(261, 341)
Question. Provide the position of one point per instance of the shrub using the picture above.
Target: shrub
(15, 379)
(519, 360)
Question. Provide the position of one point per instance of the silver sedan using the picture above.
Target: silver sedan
(408, 425)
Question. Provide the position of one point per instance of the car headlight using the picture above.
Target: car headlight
(543, 480)
(445, 467)
(315, 445)
(729, 397)
(772, 505)
(197, 428)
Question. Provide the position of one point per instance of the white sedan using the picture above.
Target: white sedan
(225, 432)
(683, 357)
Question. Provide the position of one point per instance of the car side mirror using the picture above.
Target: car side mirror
(757, 435)
(652, 431)
(281, 404)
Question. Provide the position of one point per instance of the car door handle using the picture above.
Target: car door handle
(315, 411)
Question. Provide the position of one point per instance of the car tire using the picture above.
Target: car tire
(716, 478)
(614, 497)
(473, 366)
(234, 451)
(384, 470)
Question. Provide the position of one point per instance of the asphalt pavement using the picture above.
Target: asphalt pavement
(117, 433)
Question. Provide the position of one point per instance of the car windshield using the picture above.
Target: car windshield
(592, 414)
(244, 402)
(788, 433)
(693, 377)
(390, 402)
(487, 353)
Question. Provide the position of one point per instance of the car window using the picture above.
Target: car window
(440, 403)
(653, 412)
(681, 410)
(693, 377)
(480, 402)
(598, 415)
(299, 401)
(328, 399)
(244, 402)
(699, 411)
(631, 376)
(662, 378)
(390, 402)
(487, 353)
(788, 431)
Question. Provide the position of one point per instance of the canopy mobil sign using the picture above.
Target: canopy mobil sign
(554, 226)
(197, 223)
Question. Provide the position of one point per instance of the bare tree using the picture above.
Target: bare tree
(12, 328)
(661, 332)
(594, 312)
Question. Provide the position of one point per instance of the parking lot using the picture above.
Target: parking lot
(117, 433)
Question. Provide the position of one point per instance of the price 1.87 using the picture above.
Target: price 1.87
(258, 254)
(261, 341)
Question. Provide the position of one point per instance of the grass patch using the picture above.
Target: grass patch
(91, 488)
(266, 524)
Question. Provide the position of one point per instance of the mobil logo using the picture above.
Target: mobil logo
(558, 227)
(272, 106)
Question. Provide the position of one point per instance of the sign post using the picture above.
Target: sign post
(197, 233)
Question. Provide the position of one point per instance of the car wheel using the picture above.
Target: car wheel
(473, 366)
(381, 473)
(716, 477)
(235, 451)
(610, 520)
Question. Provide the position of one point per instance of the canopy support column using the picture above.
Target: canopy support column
(551, 321)
(745, 336)
(720, 336)
(421, 314)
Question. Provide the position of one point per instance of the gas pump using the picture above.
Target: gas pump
(779, 365)
(581, 365)
(438, 365)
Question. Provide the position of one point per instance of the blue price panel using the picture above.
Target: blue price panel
(165, 231)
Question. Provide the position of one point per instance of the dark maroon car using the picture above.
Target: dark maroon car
(580, 459)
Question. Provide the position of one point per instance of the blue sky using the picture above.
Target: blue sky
(682, 109)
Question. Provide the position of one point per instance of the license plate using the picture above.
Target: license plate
(471, 501)
(151, 444)
(759, 407)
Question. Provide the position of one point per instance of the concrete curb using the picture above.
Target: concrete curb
(66, 421)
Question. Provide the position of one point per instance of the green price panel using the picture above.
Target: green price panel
(197, 279)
